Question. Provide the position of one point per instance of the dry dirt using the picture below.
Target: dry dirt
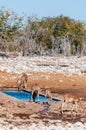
(57, 83)
(17, 111)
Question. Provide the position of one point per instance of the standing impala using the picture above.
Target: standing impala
(22, 81)
(69, 98)
(48, 94)
(35, 90)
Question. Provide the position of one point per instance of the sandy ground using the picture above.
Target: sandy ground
(18, 112)
(59, 84)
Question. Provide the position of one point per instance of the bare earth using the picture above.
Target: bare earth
(18, 112)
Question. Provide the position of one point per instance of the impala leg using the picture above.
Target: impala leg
(63, 105)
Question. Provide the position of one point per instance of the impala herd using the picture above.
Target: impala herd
(35, 91)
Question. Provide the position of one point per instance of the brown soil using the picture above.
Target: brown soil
(57, 83)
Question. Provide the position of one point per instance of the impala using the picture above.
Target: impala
(48, 94)
(22, 81)
(69, 98)
(35, 90)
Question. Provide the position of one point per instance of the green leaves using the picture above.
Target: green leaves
(10, 23)
(40, 33)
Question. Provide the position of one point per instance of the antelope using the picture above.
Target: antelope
(35, 90)
(69, 98)
(48, 94)
(22, 81)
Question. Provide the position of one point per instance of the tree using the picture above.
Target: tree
(10, 25)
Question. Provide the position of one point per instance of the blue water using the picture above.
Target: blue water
(25, 96)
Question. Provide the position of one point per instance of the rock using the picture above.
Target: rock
(69, 126)
(9, 127)
(79, 125)
(60, 64)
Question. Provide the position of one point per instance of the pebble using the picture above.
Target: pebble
(42, 126)
(22, 64)
(69, 65)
